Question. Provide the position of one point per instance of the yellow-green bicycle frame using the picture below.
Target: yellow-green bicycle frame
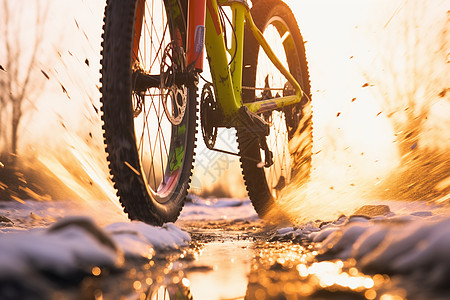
(227, 78)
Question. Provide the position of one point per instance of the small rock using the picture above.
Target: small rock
(422, 214)
(357, 218)
(373, 210)
(4, 219)
(341, 220)
(200, 269)
(277, 267)
(35, 216)
(87, 225)
(283, 231)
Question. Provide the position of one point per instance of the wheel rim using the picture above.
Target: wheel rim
(268, 76)
(159, 142)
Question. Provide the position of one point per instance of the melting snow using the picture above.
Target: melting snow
(217, 209)
(76, 244)
(398, 238)
(415, 243)
(36, 237)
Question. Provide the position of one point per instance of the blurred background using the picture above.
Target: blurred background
(381, 104)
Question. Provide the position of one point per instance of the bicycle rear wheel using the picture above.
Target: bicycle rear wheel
(149, 120)
(290, 137)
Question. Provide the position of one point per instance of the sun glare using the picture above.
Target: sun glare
(354, 145)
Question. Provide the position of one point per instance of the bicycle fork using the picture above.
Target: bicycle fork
(196, 34)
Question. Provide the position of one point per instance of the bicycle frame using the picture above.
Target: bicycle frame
(227, 79)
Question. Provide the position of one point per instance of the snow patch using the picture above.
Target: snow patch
(61, 251)
(76, 244)
(415, 243)
(167, 237)
(217, 209)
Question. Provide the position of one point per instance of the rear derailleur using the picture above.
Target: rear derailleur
(253, 126)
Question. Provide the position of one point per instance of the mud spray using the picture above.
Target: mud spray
(373, 65)
(60, 134)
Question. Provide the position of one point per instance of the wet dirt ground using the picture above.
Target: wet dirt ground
(244, 260)
(229, 259)
(241, 259)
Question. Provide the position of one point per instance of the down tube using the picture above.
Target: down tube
(218, 62)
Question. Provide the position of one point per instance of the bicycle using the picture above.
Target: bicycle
(152, 59)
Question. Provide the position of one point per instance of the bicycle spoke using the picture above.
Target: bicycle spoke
(153, 135)
(152, 22)
(155, 46)
(159, 117)
(152, 153)
(150, 52)
(160, 134)
(139, 130)
(269, 81)
(158, 137)
(140, 144)
(152, 164)
(151, 32)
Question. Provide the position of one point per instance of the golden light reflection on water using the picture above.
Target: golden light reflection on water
(255, 270)
(220, 270)
(292, 271)
(331, 273)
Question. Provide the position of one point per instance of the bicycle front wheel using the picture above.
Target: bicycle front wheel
(149, 119)
(290, 137)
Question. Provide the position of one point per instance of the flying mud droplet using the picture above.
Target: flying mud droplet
(45, 74)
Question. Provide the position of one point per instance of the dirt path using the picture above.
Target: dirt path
(242, 259)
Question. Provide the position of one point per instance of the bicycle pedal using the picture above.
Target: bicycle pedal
(268, 155)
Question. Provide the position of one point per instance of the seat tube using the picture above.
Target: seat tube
(228, 100)
(196, 33)
(237, 46)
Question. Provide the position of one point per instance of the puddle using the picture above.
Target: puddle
(222, 264)
(221, 270)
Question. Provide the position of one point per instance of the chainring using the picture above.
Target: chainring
(208, 108)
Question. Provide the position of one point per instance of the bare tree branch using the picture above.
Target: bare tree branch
(18, 82)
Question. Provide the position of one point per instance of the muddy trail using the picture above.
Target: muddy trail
(240, 258)
(243, 259)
